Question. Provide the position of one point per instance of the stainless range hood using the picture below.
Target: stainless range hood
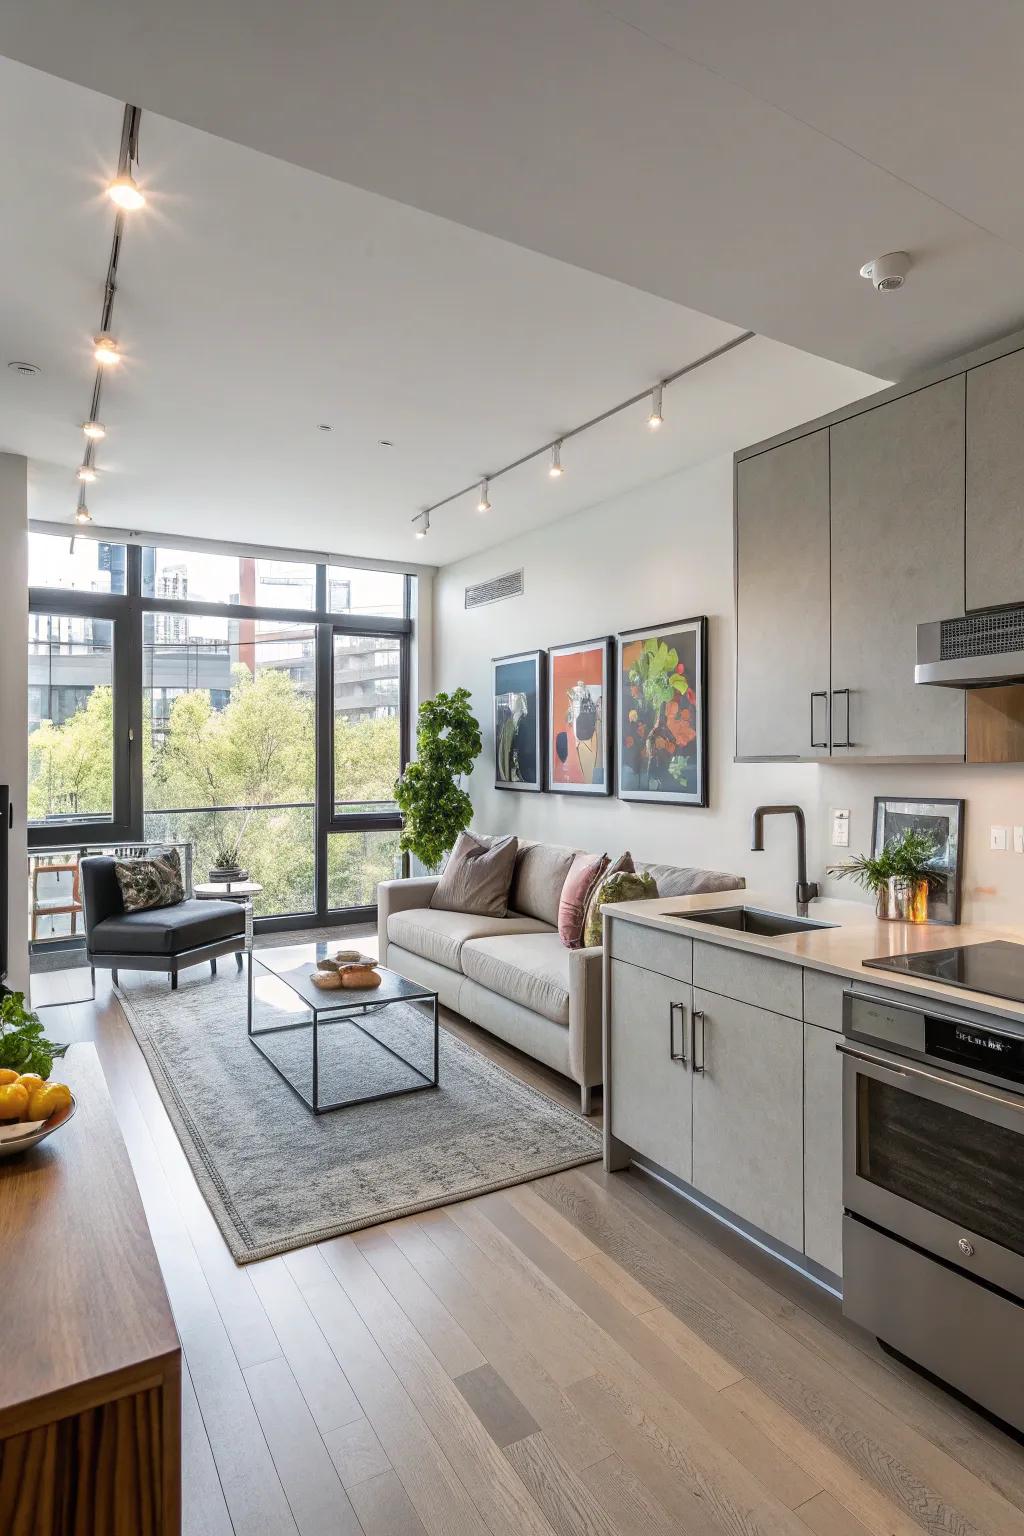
(982, 650)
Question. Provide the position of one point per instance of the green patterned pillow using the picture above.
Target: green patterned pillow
(149, 883)
(624, 886)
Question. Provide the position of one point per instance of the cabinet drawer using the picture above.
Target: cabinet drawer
(669, 954)
(772, 984)
(823, 999)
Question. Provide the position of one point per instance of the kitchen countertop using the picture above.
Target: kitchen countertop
(858, 935)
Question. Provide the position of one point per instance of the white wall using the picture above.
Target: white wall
(664, 552)
(14, 697)
(661, 552)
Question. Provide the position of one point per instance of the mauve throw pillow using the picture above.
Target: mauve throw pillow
(477, 877)
(585, 873)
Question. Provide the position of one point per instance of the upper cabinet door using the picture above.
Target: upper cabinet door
(995, 483)
(782, 600)
(897, 475)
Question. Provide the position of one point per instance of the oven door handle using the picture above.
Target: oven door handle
(904, 1070)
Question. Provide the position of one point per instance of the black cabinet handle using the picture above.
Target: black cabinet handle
(698, 1013)
(842, 693)
(673, 1054)
(821, 695)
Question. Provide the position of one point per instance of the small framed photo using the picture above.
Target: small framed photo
(662, 726)
(579, 745)
(518, 694)
(943, 822)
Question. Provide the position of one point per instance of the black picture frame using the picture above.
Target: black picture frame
(892, 814)
(605, 722)
(521, 673)
(626, 773)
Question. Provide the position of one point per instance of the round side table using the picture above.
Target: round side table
(244, 892)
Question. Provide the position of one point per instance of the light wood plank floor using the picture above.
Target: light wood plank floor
(583, 1356)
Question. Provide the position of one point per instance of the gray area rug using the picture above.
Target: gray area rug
(276, 1176)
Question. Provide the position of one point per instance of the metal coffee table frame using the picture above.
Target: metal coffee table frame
(337, 1012)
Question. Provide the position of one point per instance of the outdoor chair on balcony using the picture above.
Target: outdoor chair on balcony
(159, 939)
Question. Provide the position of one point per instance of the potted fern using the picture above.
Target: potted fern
(900, 876)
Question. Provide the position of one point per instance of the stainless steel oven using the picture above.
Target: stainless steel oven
(933, 1189)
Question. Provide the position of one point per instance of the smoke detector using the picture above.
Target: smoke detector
(25, 369)
(887, 273)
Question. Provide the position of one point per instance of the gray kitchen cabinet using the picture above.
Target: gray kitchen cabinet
(782, 601)
(995, 483)
(823, 1148)
(650, 1085)
(897, 520)
(748, 1114)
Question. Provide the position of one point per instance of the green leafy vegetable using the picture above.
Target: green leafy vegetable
(23, 1046)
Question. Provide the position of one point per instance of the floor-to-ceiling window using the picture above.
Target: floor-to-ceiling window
(249, 706)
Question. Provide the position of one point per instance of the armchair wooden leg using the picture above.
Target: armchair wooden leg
(213, 967)
(238, 958)
(174, 981)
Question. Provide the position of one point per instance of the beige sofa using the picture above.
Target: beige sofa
(512, 975)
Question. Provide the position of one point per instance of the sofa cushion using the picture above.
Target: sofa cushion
(168, 930)
(477, 877)
(672, 880)
(540, 873)
(584, 876)
(527, 968)
(439, 936)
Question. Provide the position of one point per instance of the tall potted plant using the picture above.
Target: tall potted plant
(435, 806)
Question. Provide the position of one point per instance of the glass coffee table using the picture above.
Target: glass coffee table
(329, 1017)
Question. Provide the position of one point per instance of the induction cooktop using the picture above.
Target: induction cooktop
(995, 967)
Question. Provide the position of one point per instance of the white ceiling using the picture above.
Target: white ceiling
(257, 298)
(738, 157)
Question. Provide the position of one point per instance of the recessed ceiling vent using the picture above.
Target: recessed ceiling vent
(495, 590)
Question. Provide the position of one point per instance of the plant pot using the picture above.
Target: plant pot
(228, 876)
(903, 901)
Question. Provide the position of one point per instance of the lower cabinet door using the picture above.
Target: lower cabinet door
(823, 1148)
(748, 1114)
(650, 1086)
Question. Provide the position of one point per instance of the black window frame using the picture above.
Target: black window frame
(127, 612)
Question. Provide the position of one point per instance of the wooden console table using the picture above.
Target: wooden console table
(90, 1364)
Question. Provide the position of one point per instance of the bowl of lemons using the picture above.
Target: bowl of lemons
(31, 1108)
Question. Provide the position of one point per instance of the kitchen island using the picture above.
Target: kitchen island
(720, 1046)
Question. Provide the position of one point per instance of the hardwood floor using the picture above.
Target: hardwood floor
(582, 1356)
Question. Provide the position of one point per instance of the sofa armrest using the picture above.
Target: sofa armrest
(400, 896)
(586, 993)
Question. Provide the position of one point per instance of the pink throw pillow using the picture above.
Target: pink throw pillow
(584, 873)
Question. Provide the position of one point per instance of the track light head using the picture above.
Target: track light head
(424, 525)
(484, 501)
(125, 192)
(106, 350)
(94, 429)
(86, 474)
(655, 419)
(82, 514)
(555, 469)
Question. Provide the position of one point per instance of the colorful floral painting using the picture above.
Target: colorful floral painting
(662, 734)
(579, 739)
(518, 683)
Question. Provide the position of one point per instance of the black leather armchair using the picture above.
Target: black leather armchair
(161, 939)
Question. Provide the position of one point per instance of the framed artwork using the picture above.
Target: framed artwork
(662, 732)
(518, 691)
(579, 746)
(943, 822)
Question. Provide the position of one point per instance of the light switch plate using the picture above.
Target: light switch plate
(999, 839)
(1018, 839)
(840, 829)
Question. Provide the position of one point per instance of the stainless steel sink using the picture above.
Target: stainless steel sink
(751, 920)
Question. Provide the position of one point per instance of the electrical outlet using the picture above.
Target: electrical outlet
(998, 841)
(840, 829)
(1018, 839)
